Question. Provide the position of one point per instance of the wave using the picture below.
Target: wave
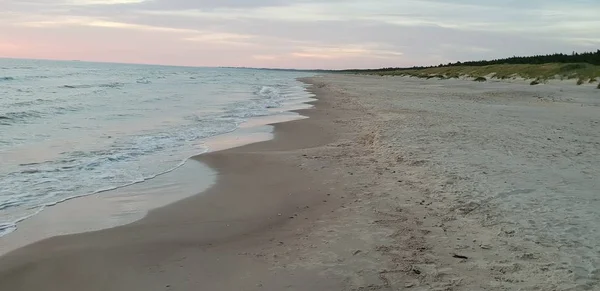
(17, 116)
(30, 103)
(122, 161)
(60, 110)
(9, 227)
(102, 165)
(143, 81)
(107, 164)
(9, 204)
(269, 92)
(267, 99)
(28, 116)
(4, 120)
(272, 96)
(30, 164)
(112, 85)
(6, 228)
(39, 77)
(87, 86)
(76, 86)
(10, 78)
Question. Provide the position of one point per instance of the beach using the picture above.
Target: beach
(390, 184)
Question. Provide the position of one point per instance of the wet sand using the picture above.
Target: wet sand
(391, 184)
(197, 242)
(131, 203)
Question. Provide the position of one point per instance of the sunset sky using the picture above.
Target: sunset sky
(294, 34)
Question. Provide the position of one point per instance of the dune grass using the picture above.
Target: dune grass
(542, 72)
(535, 82)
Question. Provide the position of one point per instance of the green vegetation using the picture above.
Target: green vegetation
(593, 80)
(506, 71)
(580, 66)
(574, 58)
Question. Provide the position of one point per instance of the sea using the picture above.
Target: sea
(70, 129)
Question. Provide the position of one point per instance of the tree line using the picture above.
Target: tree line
(586, 57)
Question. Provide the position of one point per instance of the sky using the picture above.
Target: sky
(305, 34)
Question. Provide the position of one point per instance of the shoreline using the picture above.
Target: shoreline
(389, 185)
(220, 216)
(102, 210)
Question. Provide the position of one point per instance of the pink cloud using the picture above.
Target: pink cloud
(285, 33)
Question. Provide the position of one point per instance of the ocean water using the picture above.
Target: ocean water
(72, 129)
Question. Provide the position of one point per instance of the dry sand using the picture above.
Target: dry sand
(392, 184)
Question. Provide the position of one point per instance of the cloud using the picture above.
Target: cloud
(7, 46)
(344, 51)
(92, 22)
(301, 33)
(221, 38)
(265, 57)
(101, 2)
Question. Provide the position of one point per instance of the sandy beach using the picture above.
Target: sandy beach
(390, 184)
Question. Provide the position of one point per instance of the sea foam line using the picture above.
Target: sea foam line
(7, 228)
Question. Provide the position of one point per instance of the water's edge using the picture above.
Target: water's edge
(71, 130)
(254, 130)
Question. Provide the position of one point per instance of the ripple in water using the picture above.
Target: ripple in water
(108, 126)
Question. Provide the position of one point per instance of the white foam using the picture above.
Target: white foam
(158, 118)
